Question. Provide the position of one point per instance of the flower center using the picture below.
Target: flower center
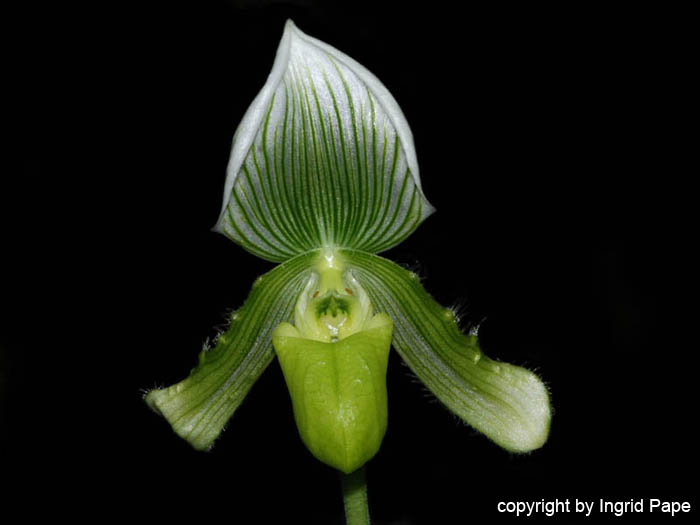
(333, 305)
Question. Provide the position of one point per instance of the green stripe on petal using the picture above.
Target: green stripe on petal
(507, 403)
(199, 406)
(322, 157)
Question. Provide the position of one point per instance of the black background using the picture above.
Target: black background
(552, 144)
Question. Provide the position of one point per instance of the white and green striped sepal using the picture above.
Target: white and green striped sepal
(323, 157)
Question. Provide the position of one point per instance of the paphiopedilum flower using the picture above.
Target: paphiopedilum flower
(323, 175)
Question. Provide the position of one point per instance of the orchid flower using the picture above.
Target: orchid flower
(323, 175)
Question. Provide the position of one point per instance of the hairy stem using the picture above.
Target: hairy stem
(355, 498)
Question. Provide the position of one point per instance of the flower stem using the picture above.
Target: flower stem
(355, 498)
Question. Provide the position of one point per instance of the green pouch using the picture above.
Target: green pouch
(338, 390)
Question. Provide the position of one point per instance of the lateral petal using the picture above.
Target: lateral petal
(199, 407)
(507, 403)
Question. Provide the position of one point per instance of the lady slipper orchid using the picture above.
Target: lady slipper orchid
(323, 175)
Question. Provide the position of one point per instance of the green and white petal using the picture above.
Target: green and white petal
(322, 157)
(198, 407)
(507, 403)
